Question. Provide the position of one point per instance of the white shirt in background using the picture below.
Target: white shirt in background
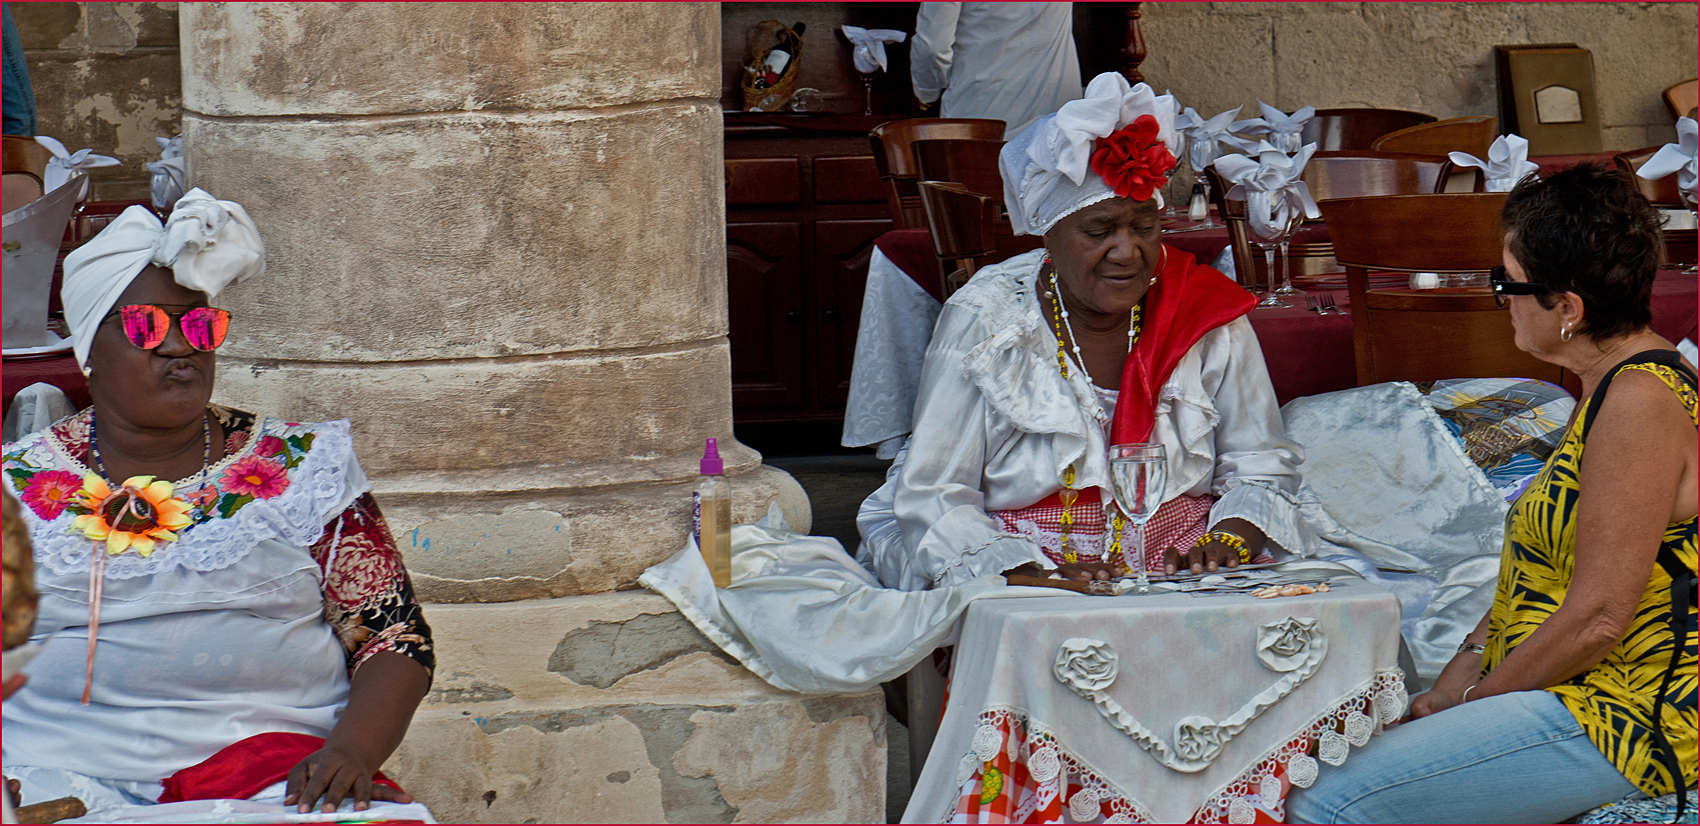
(1014, 62)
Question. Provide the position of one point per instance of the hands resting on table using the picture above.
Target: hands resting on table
(1210, 557)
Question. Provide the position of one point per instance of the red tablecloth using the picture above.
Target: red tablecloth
(57, 369)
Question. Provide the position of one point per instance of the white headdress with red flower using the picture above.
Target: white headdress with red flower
(1114, 141)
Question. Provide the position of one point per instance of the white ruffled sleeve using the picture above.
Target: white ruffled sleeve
(1257, 467)
(938, 502)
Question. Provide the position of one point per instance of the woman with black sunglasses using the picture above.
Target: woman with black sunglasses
(1578, 686)
(223, 611)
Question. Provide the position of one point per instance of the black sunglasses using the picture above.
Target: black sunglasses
(1504, 288)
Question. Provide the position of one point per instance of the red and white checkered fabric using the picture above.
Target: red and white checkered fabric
(1178, 523)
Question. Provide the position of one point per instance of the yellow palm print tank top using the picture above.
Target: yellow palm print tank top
(1613, 701)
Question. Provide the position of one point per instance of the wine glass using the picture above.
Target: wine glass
(1200, 155)
(1176, 208)
(1139, 474)
(1267, 235)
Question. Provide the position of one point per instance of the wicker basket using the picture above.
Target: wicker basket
(764, 38)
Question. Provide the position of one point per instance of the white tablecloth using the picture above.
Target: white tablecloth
(1292, 670)
(897, 323)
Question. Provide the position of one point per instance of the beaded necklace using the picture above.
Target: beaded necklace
(1068, 495)
(100, 467)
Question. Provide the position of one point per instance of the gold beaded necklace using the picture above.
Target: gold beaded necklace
(1068, 495)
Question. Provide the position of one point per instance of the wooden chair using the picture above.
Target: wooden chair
(1338, 129)
(1473, 134)
(1683, 98)
(24, 165)
(896, 162)
(961, 223)
(973, 163)
(1427, 335)
(1247, 269)
(1662, 192)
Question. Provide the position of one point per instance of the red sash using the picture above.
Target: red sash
(245, 768)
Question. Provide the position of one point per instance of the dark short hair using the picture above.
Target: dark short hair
(1590, 231)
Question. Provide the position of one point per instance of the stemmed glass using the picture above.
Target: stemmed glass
(1177, 207)
(1139, 473)
(1267, 238)
(1200, 155)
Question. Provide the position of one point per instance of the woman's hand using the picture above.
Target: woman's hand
(1078, 571)
(1200, 559)
(1433, 701)
(334, 773)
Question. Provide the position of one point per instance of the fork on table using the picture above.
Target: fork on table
(1311, 305)
(1328, 305)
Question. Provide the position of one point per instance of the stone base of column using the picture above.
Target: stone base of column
(613, 708)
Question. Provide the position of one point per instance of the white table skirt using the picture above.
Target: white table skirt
(891, 342)
(1268, 672)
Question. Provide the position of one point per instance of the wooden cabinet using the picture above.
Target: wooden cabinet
(803, 207)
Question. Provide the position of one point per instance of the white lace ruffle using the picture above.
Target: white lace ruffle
(1335, 731)
(318, 488)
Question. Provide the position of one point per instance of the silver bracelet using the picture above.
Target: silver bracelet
(1471, 647)
(1465, 697)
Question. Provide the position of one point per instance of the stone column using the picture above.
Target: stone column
(496, 242)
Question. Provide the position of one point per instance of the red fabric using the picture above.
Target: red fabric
(912, 251)
(1187, 301)
(1178, 524)
(245, 768)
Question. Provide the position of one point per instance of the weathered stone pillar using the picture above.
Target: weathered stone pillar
(496, 242)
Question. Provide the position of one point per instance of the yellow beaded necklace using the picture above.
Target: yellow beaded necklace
(1068, 495)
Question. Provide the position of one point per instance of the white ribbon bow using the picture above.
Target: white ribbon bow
(1680, 158)
(63, 163)
(1507, 162)
(1282, 128)
(1109, 104)
(168, 172)
(869, 54)
(1206, 137)
(1277, 174)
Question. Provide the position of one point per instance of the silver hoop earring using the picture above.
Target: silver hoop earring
(1564, 333)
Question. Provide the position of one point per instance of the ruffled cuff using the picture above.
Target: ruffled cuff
(1272, 510)
(992, 552)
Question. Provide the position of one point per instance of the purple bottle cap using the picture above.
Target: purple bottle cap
(711, 463)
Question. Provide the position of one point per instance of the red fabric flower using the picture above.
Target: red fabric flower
(269, 446)
(1132, 160)
(49, 492)
(257, 477)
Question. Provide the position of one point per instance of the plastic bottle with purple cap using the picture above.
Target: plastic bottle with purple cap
(711, 515)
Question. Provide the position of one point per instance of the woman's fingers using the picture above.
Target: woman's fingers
(390, 794)
(362, 793)
(341, 784)
(1172, 560)
(319, 778)
(297, 780)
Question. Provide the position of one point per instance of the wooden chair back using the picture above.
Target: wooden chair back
(1683, 98)
(1357, 174)
(894, 158)
(1343, 129)
(1662, 192)
(1247, 269)
(961, 221)
(971, 162)
(24, 169)
(1427, 335)
(1473, 134)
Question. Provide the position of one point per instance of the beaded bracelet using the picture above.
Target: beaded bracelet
(1231, 540)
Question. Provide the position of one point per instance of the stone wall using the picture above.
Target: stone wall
(1427, 57)
(106, 76)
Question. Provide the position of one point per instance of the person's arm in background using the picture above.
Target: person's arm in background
(20, 96)
(931, 49)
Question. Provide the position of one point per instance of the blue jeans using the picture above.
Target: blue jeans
(1510, 758)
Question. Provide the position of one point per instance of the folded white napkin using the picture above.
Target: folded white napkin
(63, 163)
(168, 172)
(1283, 129)
(869, 54)
(1207, 138)
(1275, 174)
(1678, 157)
(1507, 162)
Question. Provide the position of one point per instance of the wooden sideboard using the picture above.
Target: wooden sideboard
(803, 207)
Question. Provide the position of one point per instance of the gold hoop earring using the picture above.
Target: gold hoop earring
(1564, 333)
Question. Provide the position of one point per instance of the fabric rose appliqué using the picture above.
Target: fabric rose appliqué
(1286, 645)
(256, 476)
(1086, 665)
(1132, 160)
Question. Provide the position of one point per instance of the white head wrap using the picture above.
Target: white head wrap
(208, 244)
(1046, 169)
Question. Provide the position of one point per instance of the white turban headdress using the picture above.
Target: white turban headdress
(1047, 173)
(208, 244)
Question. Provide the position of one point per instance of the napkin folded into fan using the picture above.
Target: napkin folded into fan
(1507, 162)
(1273, 172)
(1206, 136)
(1680, 158)
(1283, 129)
(869, 53)
(64, 164)
(168, 172)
